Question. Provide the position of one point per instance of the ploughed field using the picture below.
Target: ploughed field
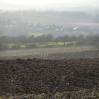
(53, 53)
(37, 76)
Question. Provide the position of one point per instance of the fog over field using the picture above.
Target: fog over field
(53, 19)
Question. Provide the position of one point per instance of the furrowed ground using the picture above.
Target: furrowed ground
(46, 73)
(55, 53)
(36, 76)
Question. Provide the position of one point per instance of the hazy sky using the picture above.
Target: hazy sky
(72, 2)
(46, 4)
(35, 1)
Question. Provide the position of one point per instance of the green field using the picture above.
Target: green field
(38, 44)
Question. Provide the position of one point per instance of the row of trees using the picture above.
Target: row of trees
(89, 39)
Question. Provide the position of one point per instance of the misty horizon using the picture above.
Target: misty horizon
(59, 5)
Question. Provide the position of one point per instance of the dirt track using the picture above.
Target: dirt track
(43, 76)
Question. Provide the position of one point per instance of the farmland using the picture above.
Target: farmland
(49, 54)
(38, 44)
(52, 53)
(44, 79)
(70, 72)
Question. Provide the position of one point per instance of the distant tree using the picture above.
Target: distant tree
(56, 40)
(73, 38)
(95, 41)
(65, 39)
(89, 39)
(45, 38)
(49, 38)
(22, 39)
(31, 39)
(81, 40)
(0, 46)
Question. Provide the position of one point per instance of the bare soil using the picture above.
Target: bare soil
(44, 76)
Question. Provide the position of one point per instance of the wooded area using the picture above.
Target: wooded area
(46, 41)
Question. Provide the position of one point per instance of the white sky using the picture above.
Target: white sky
(35, 1)
(88, 2)
(50, 4)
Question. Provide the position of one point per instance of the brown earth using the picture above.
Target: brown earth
(44, 76)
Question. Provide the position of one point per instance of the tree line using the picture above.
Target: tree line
(81, 40)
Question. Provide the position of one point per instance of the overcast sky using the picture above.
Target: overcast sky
(40, 2)
(59, 5)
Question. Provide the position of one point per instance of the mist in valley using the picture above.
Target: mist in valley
(44, 19)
